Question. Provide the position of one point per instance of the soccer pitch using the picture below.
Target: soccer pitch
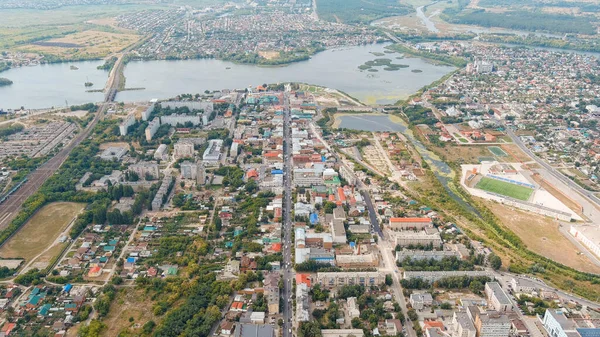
(504, 188)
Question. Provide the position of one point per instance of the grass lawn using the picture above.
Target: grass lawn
(504, 188)
(41, 230)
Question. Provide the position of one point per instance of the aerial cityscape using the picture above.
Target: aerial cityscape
(300, 168)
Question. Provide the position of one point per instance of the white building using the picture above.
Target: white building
(189, 170)
(557, 324)
(337, 279)
(497, 297)
(420, 301)
(146, 113)
(523, 286)
(152, 128)
(462, 325)
(302, 306)
(180, 119)
(207, 107)
(212, 154)
(143, 169)
(353, 310)
(161, 153)
(126, 123)
(433, 276)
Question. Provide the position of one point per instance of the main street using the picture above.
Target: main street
(288, 273)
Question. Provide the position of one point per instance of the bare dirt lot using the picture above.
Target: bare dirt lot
(41, 230)
(542, 236)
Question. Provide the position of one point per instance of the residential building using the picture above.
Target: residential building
(462, 325)
(146, 113)
(271, 287)
(497, 297)
(161, 152)
(126, 123)
(492, 324)
(189, 170)
(180, 119)
(145, 169)
(336, 279)
(183, 149)
(433, 276)
(420, 301)
(409, 238)
(206, 107)
(409, 223)
(342, 333)
(152, 128)
(417, 255)
(302, 306)
(357, 261)
(161, 194)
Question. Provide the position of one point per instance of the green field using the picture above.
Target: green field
(496, 151)
(504, 188)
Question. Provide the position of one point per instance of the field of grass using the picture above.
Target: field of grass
(41, 231)
(504, 188)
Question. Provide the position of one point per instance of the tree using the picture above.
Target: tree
(388, 280)
(93, 329)
(495, 261)
(476, 287)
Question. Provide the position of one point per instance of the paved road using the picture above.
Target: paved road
(11, 207)
(557, 175)
(288, 273)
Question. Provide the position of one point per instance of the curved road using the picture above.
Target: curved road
(559, 176)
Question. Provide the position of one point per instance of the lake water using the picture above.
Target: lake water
(335, 68)
(49, 85)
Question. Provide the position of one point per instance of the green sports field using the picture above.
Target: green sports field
(504, 188)
(496, 151)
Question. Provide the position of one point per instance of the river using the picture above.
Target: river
(334, 68)
(426, 20)
(50, 85)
